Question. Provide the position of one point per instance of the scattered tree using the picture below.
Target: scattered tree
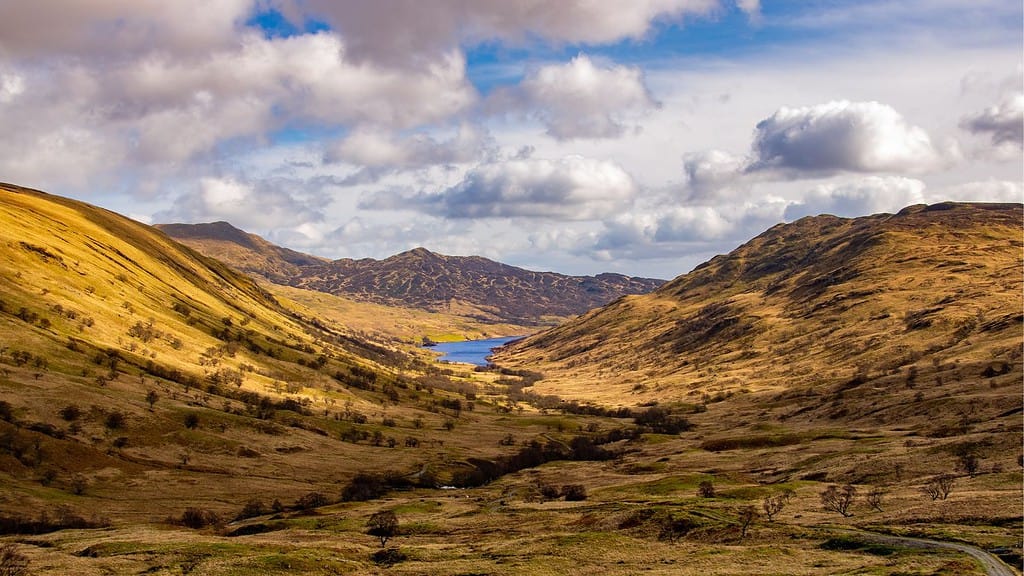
(774, 504)
(706, 489)
(836, 499)
(874, 498)
(191, 421)
(939, 487)
(115, 420)
(970, 463)
(79, 483)
(151, 398)
(747, 515)
(383, 525)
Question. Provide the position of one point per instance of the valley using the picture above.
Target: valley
(772, 412)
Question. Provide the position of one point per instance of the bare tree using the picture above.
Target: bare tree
(939, 487)
(747, 515)
(836, 499)
(774, 504)
(874, 498)
(383, 525)
(151, 398)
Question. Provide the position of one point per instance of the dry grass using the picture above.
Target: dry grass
(98, 262)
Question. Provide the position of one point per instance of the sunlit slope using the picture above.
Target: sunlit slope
(927, 298)
(94, 277)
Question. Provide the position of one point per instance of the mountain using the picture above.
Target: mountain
(893, 309)
(241, 250)
(465, 285)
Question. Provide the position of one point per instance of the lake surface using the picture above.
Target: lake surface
(471, 351)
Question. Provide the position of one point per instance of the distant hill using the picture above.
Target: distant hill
(893, 309)
(466, 285)
(241, 250)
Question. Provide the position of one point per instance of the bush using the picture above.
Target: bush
(199, 518)
(311, 500)
(252, 509)
(115, 420)
(191, 420)
(12, 562)
(388, 556)
(574, 492)
(70, 412)
(706, 489)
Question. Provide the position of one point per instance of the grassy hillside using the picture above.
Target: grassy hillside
(162, 414)
(886, 307)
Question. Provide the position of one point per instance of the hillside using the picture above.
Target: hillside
(885, 308)
(162, 414)
(241, 250)
(469, 286)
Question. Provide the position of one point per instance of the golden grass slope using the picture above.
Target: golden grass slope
(818, 302)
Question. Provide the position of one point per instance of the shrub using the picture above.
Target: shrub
(706, 489)
(574, 492)
(199, 518)
(115, 420)
(70, 412)
(311, 500)
(388, 556)
(12, 562)
(252, 509)
(191, 421)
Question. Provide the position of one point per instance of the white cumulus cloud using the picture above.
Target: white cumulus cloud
(581, 99)
(842, 136)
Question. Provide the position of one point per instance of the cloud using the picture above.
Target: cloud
(572, 188)
(161, 110)
(714, 174)
(260, 205)
(1002, 122)
(979, 191)
(871, 195)
(117, 29)
(394, 31)
(841, 136)
(375, 148)
(580, 99)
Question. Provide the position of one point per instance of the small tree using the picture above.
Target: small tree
(970, 463)
(706, 489)
(836, 499)
(747, 516)
(874, 498)
(383, 525)
(774, 504)
(151, 398)
(191, 420)
(939, 487)
(574, 492)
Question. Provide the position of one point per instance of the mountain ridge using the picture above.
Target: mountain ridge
(813, 304)
(472, 286)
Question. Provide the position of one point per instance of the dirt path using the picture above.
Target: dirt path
(993, 566)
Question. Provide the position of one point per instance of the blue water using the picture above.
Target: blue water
(471, 351)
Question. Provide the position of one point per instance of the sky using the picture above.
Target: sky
(579, 136)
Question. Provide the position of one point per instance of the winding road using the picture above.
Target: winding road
(993, 565)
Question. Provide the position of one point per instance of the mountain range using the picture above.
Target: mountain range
(465, 285)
